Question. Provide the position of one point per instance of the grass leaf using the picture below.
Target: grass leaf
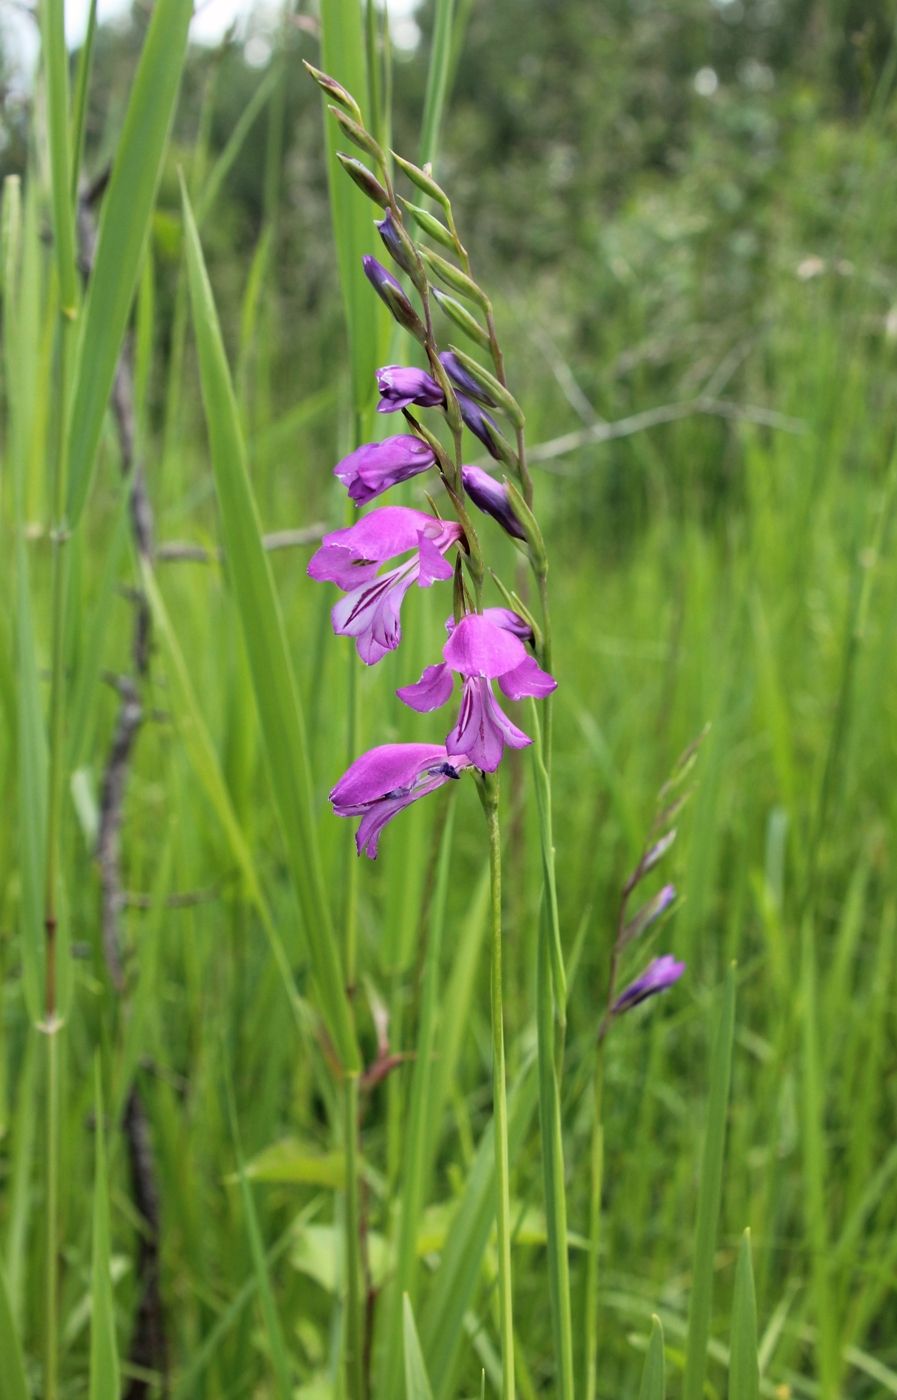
(417, 1382)
(653, 1385)
(124, 226)
(744, 1372)
(709, 1196)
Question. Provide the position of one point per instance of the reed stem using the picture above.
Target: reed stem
(499, 1096)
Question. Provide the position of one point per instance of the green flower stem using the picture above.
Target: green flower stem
(590, 1307)
(354, 1330)
(354, 1262)
(52, 1023)
(499, 1096)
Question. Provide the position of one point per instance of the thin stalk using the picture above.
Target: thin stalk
(355, 1349)
(354, 1333)
(52, 1023)
(499, 1096)
(596, 1186)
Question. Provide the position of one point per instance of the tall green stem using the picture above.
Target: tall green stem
(354, 1348)
(499, 1097)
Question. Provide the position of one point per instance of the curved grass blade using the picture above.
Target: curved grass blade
(744, 1371)
(284, 1386)
(653, 1385)
(343, 56)
(709, 1197)
(437, 78)
(124, 225)
(417, 1382)
(282, 725)
(12, 1371)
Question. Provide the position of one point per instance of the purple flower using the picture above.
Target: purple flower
(351, 557)
(375, 466)
(385, 780)
(400, 387)
(502, 617)
(464, 380)
(657, 976)
(492, 497)
(481, 650)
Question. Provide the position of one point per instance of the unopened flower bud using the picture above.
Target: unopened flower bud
(399, 246)
(462, 318)
(335, 90)
(366, 181)
(389, 291)
(492, 498)
(463, 379)
(487, 430)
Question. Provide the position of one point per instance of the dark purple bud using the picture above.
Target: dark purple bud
(398, 244)
(389, 291)
(486, 429)
(492, 497)
(400, 386)
(464, 380)
(657, 977)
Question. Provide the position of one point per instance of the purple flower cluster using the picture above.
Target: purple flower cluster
(482, 647)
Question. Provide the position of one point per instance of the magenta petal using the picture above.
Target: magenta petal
(382, 534)
(433, 566)
(483, 729)
(502, 617)
(382, 770)
(431, 691)
(477, 647)
(527, 679)
(382, 782)
(370, 613)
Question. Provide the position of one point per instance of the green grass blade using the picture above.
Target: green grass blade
(104, 1370)
(124, 226)
(459, 1268)
(418, 1145)
(214, 181)
(343, 56)
(279, 1357)
(56, 69)
(204, 761)
(744, 1371)
(82, 86)
(709, 1197)
(437, 78)
(653, 1385)
(12, 1370)
(282, 726)
(417, 1382)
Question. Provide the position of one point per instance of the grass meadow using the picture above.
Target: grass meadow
(192, 953)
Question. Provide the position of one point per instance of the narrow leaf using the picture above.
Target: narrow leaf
(744, 1371)
(653, 1385)
(282, 725)
(417, 1382)
(124, 225)
(12, 1369)
(709, 1197)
